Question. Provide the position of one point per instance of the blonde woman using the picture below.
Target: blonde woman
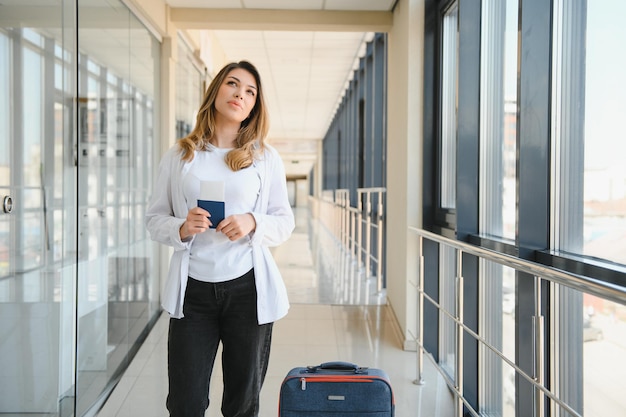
(223, 285)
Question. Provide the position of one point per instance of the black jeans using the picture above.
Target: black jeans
(222, 312)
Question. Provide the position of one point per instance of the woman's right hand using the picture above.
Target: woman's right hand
(197, 221)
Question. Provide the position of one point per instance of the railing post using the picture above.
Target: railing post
(353, 218)
(359, 231)
(334, 217)
(459, 333)
(420, 314)
(368, 233)
(379, 246)
(346, 221)
(538, 325)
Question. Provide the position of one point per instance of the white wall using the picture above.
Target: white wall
(404, 161)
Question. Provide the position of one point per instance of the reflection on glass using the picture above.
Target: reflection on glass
(498, 117)
(604, 346)
(497, 286)
(188, 88)
(590, 201)
(36, 316)
(605, 143)
(448, 296)
(589, 91)
(590, 195)
(5, 156)
(449, 105)
(116, 138)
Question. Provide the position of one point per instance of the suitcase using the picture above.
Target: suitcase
(336, 389)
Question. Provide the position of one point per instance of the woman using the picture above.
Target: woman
(223, 284)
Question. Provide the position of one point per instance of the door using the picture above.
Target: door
(37, 219)
(78, 130)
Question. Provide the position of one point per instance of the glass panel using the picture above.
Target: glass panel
(448, 294)
(6, 255)
(189, 89)
(449, 106)
(498, 329)
(603, 343)
(36, 276)
(589, 200)
(595, 340)
(498, 116)
(589, 91)
(118, 289)
(605, 171)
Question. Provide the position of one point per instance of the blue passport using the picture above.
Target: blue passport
(216, 208)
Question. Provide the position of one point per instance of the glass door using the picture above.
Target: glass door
(117, 290)
(78, 141)
(37, 216)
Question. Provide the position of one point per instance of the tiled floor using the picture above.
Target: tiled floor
(330, 319)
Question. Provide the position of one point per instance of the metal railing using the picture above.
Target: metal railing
(360, 229)
(539, 272)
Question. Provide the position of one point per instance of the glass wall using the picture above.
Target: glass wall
(590, 208)
(449, 106)
(37, 220)
(78, 133)
(498, 115)
(540, 177)
(497, 143)
(118, 75)
(190, 84)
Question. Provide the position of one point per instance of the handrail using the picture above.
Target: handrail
(355, 227)
(539, 272)
(579, 282)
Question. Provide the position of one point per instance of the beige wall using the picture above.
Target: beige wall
(404, 166)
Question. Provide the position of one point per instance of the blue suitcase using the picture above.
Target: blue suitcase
(336, 389)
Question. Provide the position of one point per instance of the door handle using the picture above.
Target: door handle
(7, 204)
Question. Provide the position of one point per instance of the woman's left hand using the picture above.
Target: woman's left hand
(237, 226)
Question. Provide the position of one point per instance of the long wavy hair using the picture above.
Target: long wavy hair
(252, 132)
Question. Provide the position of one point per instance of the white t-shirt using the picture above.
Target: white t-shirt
(213, 257)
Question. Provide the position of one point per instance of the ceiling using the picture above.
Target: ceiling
(305, 66)
(305, 51)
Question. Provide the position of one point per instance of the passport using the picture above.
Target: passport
(216, 208)
(211, 198)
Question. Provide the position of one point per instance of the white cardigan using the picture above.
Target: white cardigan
(167, 212)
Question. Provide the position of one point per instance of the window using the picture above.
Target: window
(498, 115)
(449, 104)
(497, 179)
(588, 109)
(589, 201)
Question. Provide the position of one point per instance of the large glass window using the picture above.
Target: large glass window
(77, 271)
(497, 327)
(551, 189)
(589, 91)
(498, 117)
(5, 149)
(449, 104)
(589, 206)
(448, 295)
(497, 179)
(118, 79)
(36, 282)
(604, 232)
(189, 88)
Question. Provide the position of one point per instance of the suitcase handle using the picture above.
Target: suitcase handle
(337, 366)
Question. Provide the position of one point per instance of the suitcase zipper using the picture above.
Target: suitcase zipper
(334, 379)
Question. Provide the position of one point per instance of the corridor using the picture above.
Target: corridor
(338, 317)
